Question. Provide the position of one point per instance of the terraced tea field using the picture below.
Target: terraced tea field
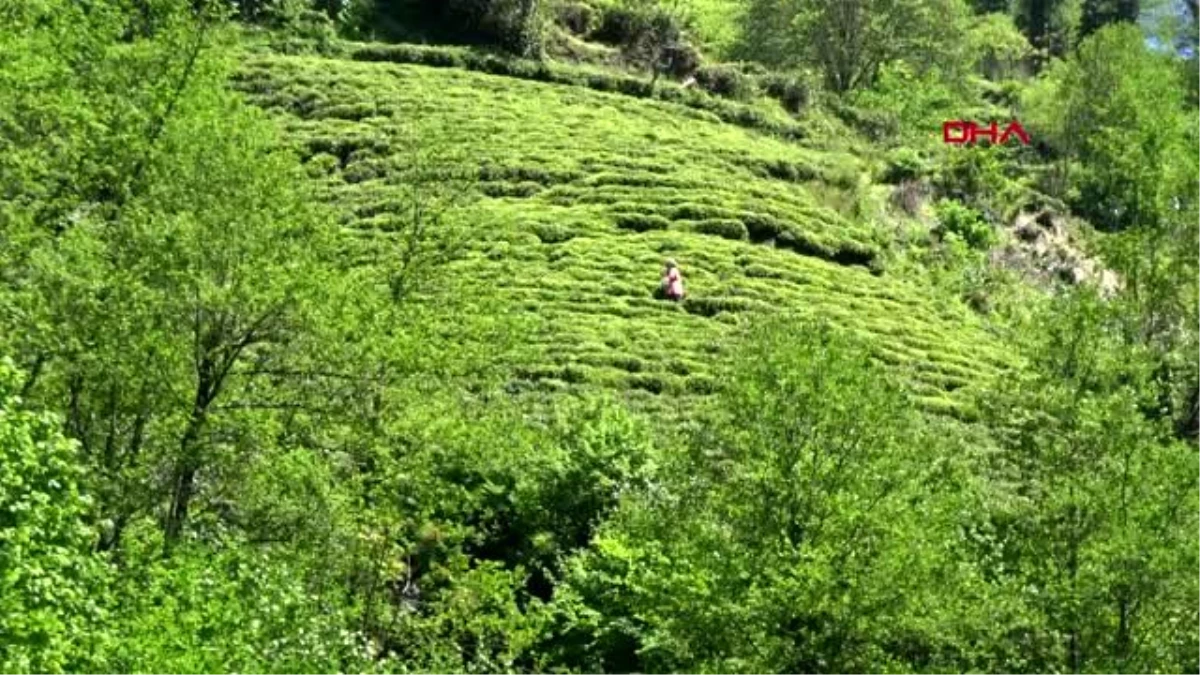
(582, 194)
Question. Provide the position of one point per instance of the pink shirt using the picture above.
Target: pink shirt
(674, 283)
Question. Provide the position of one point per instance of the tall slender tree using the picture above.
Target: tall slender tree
(1048, 24)
(1100, 13)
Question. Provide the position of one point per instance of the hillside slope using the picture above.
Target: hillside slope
(582, 196)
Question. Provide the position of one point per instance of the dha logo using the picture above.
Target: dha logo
(959, 132)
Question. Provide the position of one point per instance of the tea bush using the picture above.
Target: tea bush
(726, 80)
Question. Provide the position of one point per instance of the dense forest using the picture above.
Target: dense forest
(329, 339)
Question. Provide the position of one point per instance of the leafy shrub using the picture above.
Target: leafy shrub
(630, 364)
(639, 222)
(842, 175)
(725, 80)
(684, 59)
(47, 598)
(679, 367)
(603, 452)
(692, 211)
(762, 227)
(997, 46)
(362, 171)
(752, 69)
(792, 91)
(701, 385)
(648, 36)
(634, 87)
(857, 253)
(905, 164)
(322, 164)
(757, 271)
(1006, 94)
(440, 58)
(621, 26)
(972, 177)
(601, 82)
(652, 383)
(238, 607)
(789, 400)
(906, 105)
(747, 117)
(965, 223)
(803, 244)
(502, 23)
(347, 111)
(299, 29)
(552, 233)
(878, 125)
(784, 170)
(522, 190)
(578, 17)
(712, 306)
(726, 228)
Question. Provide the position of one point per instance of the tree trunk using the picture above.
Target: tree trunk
(1123, 631)
(188, 462)
(183, 482)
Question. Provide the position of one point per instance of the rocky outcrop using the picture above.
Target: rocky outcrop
(1041, 246)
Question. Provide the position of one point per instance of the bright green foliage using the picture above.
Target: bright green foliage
(716, 24)
(630, 184)
(49, 581)
(914, 104)
(239, 606)
(1119, 110)
(997, 45)
(1158, 311)
(471, 510)
(146, 293)
(407, 402)
(1101, 526)
(796, 530)
(963, 222)
(852, 40)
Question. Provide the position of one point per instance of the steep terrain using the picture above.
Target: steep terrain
(585, 193)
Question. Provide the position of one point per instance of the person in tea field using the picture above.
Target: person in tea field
(672, 282)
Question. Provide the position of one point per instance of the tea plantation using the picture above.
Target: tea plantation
(583, 195)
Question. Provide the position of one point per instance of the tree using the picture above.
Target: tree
(181, 253)
(1118, 109)
(808, 518)
(852, 40)
(762, 36)
(652, 35)
(1102, 528)
(663, 40)
(1160, 310)
(1100, 13)
(998, 47)
(1049, 24)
